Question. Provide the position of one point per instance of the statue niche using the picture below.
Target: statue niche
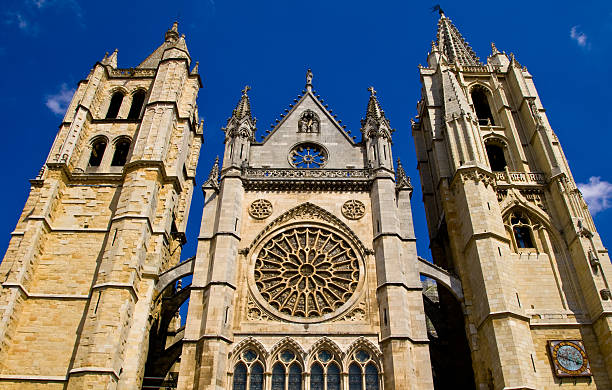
(309, 122)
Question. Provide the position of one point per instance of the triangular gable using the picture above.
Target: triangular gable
(296, 107)
(342, 151)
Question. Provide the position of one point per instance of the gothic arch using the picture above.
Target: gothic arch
(368, 346)
(324, 343)
(244, 345)
(290, 344)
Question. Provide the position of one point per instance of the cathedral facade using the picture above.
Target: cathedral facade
(306, 275)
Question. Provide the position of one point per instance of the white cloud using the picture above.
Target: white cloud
(578, 36)
(58, 103)
(597, 193)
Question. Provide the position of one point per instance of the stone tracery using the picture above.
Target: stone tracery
(307, 271)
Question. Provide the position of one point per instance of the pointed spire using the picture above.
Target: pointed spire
(402, 181)
(213, 177)
(112, 59)
(452, 44)
(196, 68)
(374, 110)
(243, 109)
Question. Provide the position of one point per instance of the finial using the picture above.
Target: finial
(372, 91)
(196, 68)
(439, 9)
(245, 90)
(309, 77)
(174, 26)
(494, 49)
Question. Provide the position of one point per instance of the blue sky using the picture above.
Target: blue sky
(49, 45)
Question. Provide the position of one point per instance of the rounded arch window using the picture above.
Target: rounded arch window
(306, 273)
(98, 146)
(115, 105)
(122, 148)
(138, 99)
(480, 99)
(308, 155)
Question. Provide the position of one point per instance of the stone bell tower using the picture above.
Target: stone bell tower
(306, 274)
(105, 216)
(505, 215)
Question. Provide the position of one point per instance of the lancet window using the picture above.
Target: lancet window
(287, 372)
(248, 372)
(497, 159)
(482, 107)
(363, 373)
(325, 372)
(522, 230)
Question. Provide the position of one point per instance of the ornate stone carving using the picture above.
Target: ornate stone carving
(307, 271)
(308, 155)
(295, 179)
(309, 122)
(355, 315)
(311, 212)
(353, 209)
(256, 313)
(260, 209)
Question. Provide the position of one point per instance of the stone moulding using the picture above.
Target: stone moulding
(298, 179)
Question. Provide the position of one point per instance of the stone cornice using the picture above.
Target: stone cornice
(310, 179)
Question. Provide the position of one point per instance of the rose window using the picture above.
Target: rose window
(308, 156)
(306, 271)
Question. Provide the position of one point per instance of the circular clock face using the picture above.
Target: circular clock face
(570, 358)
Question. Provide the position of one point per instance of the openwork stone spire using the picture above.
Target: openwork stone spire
(452, 44)
(375, 122)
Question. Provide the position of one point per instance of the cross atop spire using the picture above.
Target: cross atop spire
(243, 109)
(374, 110)
(452, 44)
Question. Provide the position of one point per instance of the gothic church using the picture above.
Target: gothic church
(306, 275)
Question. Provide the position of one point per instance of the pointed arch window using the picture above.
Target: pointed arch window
(363, 372)
(355, 379)
(97, 152)
(522, 229)
(248, 372)
(256, 377)
(122, 147)
(115, 105)
(497, 158)
(278, 377)
(482, 107)
(325, 371)
(137, 102)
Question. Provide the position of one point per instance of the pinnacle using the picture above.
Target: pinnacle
(172, 34)
(243, 109)
(374, 110)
